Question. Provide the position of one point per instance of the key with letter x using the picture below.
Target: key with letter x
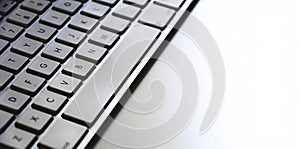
(34, 121)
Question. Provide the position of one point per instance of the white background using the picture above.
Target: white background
(260, 44)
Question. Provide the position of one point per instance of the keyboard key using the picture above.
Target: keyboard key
(115, 24)
(5, 78)
(70, 37)
(107, 2)
(157, 16)
(41, 32)
(54, 18)
(10, 31)
(37, 6)
(139, 3)
(102, 86)
(28, 84)
(5, 120)
(78, 68)
(58, 52)
(43, 67)
(104, 38)
(27, 47)
(33, 121)
(13, 62)
(7, 6)
(13, 101)
(67, 6)
(50, 102)
(95, 10)
(3, 45)
(126, 11)
(65, 85)
(174, 4)
(72, 135)
(22, 17)
(17, 138)
(91, 53)
(83, 23)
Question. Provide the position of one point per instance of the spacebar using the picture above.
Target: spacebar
(89, 102)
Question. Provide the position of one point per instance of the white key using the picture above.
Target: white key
(95, 10)
(78, 68)
(157, 16)
(90, 52)
(115, 24)
(104, 38)
(126, 11)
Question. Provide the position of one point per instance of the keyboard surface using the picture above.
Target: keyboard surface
(58, 62)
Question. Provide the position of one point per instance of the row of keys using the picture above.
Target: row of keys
(54, 18)
(154, 15)
(72, 38)
(42, 69)
(33, 121)
(49, 102)
(21, 17)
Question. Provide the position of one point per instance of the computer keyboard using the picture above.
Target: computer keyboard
(53, 52)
